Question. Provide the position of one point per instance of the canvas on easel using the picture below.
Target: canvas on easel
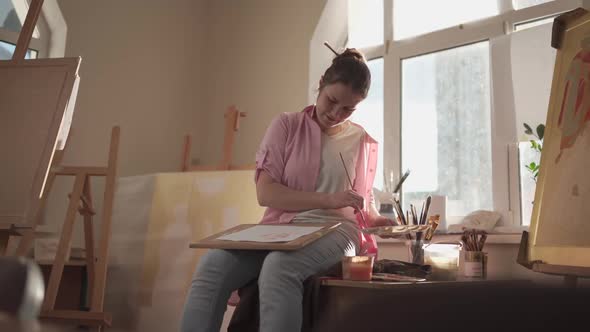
(559, 239)
(37, 99)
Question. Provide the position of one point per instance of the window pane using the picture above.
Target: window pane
(446, 133)
(7, 49)
(365, 23)
(8, 17)
(527, 155)
(416, 17)
(369, 114)
(519, 4)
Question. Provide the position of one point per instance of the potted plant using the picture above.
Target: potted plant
(537, 145)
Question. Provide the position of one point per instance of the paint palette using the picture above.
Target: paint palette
(395, 277)
(395, 231)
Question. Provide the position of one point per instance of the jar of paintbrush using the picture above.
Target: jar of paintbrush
(415, 240)
(474, 259)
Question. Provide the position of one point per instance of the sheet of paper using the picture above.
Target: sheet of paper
(268, 233)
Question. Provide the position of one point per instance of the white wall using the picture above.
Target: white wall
(142, 69)
(257, 58)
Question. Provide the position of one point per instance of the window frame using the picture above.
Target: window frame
(505, 180)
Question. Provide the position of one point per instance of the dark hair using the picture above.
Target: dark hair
(349, 68)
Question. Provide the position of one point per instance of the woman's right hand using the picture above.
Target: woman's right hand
(345, 199)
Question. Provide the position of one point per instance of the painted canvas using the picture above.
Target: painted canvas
(560, 228)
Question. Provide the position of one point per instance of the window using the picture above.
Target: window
(369, 114)
(411, 19)
(453, 98)
(446, 128)
(7, 49)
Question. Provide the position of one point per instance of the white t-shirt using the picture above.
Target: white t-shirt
(332, 177)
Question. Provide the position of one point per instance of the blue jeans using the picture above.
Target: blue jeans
(280, 280)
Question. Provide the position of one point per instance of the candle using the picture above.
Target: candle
(444, 260)
(357, 267)
(360, 272)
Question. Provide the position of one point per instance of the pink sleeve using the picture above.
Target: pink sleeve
(270, 156)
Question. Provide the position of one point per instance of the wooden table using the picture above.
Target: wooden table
(422, 306)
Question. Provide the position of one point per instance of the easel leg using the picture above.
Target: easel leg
(64, 244)
(102, 255)
(28, 236)
(89, 238)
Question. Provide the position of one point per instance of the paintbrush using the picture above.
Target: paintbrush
(433, 221)
(399, 184)
(422, 218)
(426, 208)
(482, 240)
(351, 187)
(399, 211)
(409, 235)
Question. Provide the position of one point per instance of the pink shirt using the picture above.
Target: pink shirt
(290, 153)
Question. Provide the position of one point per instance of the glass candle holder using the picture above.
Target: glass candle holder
(357, 267)
(443, 259)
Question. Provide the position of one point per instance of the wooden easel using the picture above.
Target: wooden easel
(24, 38)
(232, 125)
(562, 24)
(570, 273)
(80, 201)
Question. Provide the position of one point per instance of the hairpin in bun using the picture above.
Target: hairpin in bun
(331, 49)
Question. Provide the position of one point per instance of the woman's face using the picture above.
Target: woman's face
(335, 104)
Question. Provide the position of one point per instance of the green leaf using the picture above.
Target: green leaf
(533, 144)
(528, 129)
(540, 131)
(532, 165)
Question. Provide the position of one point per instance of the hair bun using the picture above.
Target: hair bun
(350, 53)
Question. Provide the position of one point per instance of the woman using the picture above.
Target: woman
(300, 178)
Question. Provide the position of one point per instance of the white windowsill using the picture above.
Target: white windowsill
(493, 238)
